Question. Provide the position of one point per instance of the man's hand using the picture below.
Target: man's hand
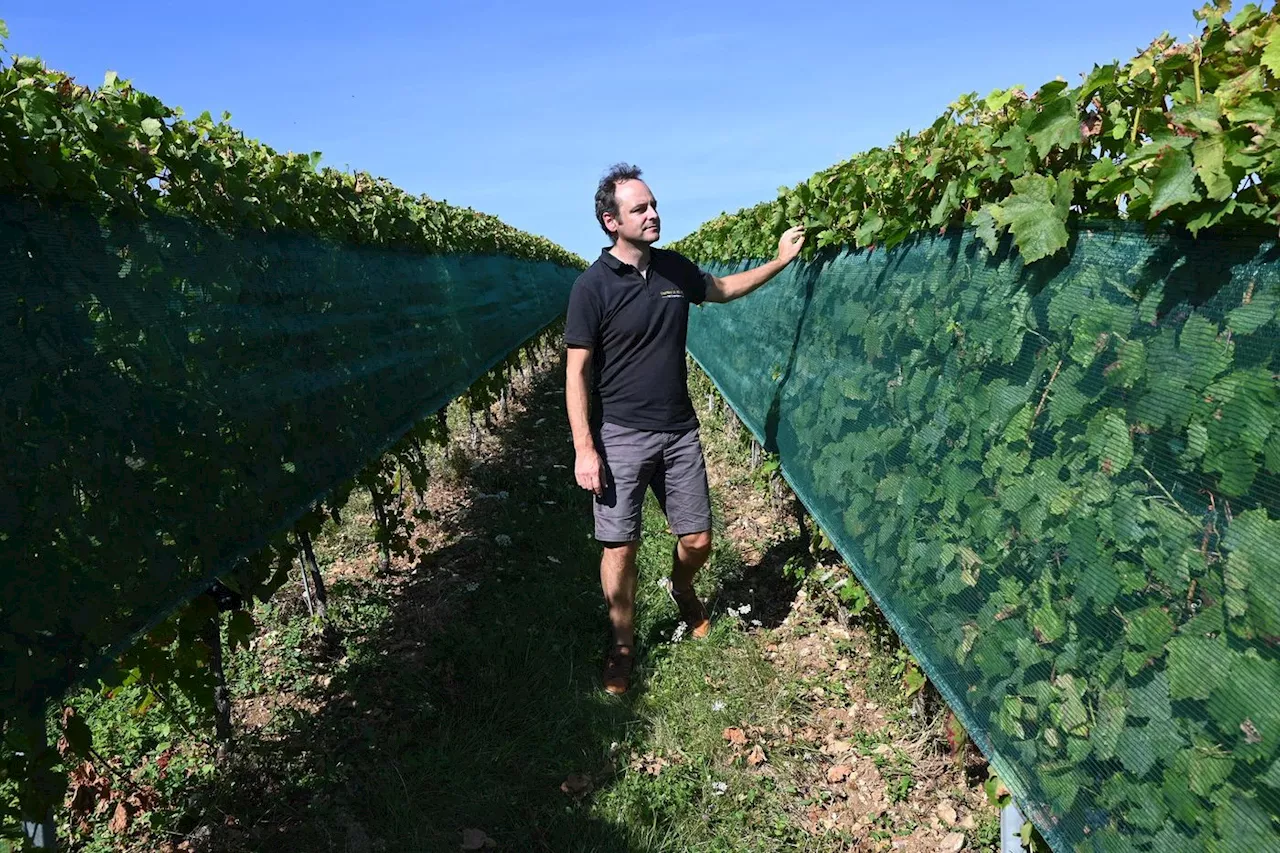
(791, 243)
(590, 471)
(739, 284)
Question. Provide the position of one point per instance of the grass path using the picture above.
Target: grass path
(463, 709)
(475, 698)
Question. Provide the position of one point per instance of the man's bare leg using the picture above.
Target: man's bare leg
(690, 554)
(618, 580)
(692, 551)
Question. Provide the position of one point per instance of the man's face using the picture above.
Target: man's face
(637, 220)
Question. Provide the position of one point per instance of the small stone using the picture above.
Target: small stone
(947, 814)
(968, 822)
(953, 843)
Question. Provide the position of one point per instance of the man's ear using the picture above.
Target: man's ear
(610, 222)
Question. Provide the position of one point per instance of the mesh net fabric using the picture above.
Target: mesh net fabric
(1059, 483)
(172, 395)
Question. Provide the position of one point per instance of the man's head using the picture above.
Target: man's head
(625, 208)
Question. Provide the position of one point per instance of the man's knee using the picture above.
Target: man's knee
(698, 544)
(620, 553)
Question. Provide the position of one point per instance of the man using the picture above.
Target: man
(636, 428)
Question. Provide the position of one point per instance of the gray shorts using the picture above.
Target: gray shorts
(669, 462)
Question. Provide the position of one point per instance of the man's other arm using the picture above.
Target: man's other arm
(587, 468)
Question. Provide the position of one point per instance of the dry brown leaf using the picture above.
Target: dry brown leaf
(649, 763)
(735, 736)
(947, 814)
(576, 785)
(835, 746)
(756, 756)
(120, 819)
(839, 773)
(476, 839)
(83, 799)
(952, 843)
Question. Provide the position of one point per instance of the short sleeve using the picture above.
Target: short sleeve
(691, 278)
(582, 321)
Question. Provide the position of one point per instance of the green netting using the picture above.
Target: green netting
(171, 396)
(1060, 485)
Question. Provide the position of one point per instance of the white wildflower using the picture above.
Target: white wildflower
(717, 705)
(718, 789)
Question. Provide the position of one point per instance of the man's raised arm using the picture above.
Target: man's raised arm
(740, 284)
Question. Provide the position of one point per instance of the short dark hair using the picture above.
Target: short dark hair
(607, 191)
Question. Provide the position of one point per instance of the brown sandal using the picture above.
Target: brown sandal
(691, 610)
(618, 662)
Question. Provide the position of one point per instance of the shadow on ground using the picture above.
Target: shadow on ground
(475, 699)
(764, 585)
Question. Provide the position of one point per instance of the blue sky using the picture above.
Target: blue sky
(517, 108)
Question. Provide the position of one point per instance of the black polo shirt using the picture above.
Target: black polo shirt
(635, 327)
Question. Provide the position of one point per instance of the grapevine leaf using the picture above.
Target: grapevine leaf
(1197, 666)
(1058, 124)
(1247, 319)
(1136, 750)
(240, 629)
(947, 204)
(1173, 181)
(1148, 629)
(1204, 115)
(1248, 694)
(1272, 777)
(1109, 439)
(1037, 224)
(1270, 58)
(1047, 623)
(1208, 770)
(78, 734)
(986, 229)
